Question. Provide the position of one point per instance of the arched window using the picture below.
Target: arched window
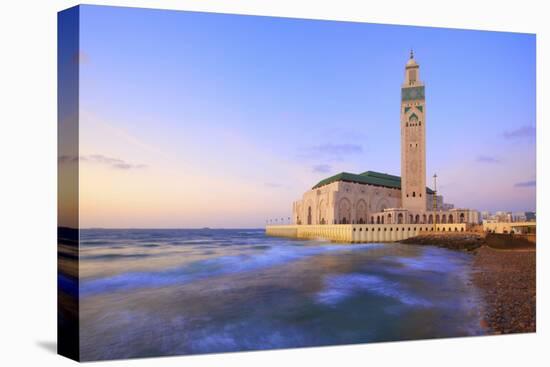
(443, 218)
(389, 218)
(461, 217)
(309, 215)
(414, 194)
(400, 218)
(451, 219)
(431, 219)
(417, 219)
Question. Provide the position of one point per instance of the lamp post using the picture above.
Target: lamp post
(435, 201)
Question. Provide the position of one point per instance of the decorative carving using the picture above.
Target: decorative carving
(414, 93)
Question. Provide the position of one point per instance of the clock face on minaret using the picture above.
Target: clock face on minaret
(413, 139)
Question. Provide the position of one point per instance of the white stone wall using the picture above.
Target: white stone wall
(357, 233)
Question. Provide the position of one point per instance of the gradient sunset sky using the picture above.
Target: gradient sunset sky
(195, 119)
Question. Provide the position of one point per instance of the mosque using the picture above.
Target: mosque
(379, 198)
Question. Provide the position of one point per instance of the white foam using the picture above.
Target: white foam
(338, 288)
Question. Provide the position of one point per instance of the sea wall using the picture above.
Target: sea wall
(510, 241)
(510, 227)
(361, 233)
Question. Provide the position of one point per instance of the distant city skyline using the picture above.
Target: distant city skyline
(197, 119)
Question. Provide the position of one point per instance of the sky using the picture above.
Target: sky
(199, 119)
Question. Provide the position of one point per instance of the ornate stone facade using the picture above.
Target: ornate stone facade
(377, 198)
(343, 203)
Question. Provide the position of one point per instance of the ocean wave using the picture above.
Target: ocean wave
(339, 288)
(210, 267)
(115, 256)
(431, 261)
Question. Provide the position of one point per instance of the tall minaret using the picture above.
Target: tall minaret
(413, 139)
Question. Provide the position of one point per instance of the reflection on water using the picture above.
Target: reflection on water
(168, 292)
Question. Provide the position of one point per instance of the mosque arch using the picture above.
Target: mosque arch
(424, 218)
(322, 212)
(344, 211)
(382, 204)
(389, 218)
(309, 214)
(361, 212)
(430, 218)
(410, 218)
(417, 219)
(451, 219)
(400, 218)
(444, 218)
(461, 217)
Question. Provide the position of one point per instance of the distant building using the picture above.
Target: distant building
(502, 216)
(524, 217)
(485, 215)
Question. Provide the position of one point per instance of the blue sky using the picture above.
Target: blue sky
(253, 111)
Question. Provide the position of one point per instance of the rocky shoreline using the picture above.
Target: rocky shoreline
(508, 281)
(506, 277)
(454, 241)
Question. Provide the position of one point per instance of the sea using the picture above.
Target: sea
(147, 292)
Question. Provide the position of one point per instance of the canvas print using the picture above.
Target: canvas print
(233, 183)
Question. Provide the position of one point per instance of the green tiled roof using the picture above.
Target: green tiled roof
(367, 178)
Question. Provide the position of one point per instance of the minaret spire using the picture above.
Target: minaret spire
(413, 139)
